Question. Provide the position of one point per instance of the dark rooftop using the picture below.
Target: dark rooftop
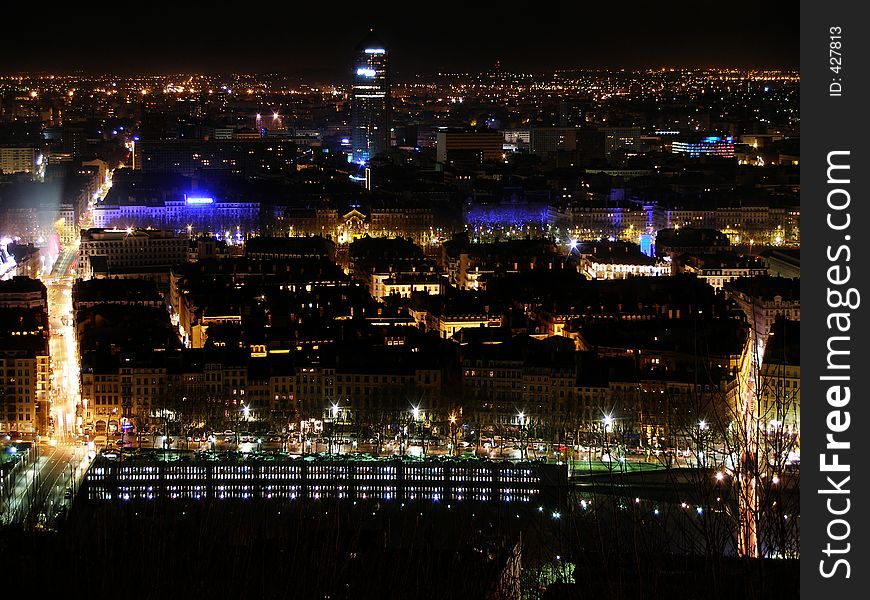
(115, 290)
(706, 337)
(290, 246)
(784, 343)
(767, 287)
(21, 285)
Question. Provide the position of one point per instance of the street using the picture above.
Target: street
(64, 357)
(65, 391)
(43, 491)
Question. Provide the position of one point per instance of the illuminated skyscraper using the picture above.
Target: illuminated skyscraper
(370, 117)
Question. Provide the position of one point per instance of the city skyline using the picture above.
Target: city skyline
(633, 37)
(479, 303)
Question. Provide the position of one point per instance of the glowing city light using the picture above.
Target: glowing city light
(199, 200)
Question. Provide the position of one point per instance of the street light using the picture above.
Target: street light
(415, 413)
(522, 418)
(334, 413)
(605, 447)
(702, 427)
(452, 434)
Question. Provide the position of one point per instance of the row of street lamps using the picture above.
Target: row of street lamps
(415, 412)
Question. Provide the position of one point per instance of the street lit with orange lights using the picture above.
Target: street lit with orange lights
(55, 464)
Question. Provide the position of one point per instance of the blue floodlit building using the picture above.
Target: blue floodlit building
(370, 97)
(646, 244)
(198, 213)
(506, 215)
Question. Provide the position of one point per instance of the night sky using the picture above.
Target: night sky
(276, 37)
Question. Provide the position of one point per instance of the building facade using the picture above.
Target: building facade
(370, 97)
(471, 147)
(711, 145)
(192, 213)
(129, 249)
(25, 376)
(19, 159)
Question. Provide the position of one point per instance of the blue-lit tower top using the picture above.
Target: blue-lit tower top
(370, 97)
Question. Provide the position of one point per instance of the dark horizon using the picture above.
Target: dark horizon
(679, 35)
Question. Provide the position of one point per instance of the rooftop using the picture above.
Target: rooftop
(21, 285)
(114, 290)
(766, 287)
(784, 343)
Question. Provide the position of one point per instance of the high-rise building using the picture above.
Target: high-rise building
(571, 114)
(20, 159)
(244, 154)
(706, 145)
(370, 117)
(583, 143)
(621, 138)
(74, 140)
(468, 146)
